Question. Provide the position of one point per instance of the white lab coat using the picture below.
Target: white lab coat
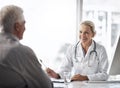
(95, 67)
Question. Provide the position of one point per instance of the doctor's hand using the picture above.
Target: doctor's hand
(52, 73)
(79, 77)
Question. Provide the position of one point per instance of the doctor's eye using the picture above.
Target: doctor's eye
(80, 31)
(86, 32)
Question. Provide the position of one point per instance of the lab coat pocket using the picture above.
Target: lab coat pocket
(93, 64)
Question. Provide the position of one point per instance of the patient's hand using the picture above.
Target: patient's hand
(52, 73)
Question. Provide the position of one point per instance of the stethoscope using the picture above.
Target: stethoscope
(93, 51)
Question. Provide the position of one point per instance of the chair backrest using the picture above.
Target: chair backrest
(10, 78)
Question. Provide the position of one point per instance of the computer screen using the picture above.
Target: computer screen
(115, 65)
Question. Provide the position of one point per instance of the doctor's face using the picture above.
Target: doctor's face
(85, 34)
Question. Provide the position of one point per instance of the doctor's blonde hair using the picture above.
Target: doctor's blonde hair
(90, 24)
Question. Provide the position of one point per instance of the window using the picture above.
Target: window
(106, 17)
(50, 27)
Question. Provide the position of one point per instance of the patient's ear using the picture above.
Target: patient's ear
(16, 26)
(16, 30)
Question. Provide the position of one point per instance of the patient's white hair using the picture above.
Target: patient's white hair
(9, 15)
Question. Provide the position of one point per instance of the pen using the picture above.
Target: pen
(43, 63)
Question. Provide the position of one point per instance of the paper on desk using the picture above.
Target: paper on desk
(108, 81)
(57, 80)
(111, 79)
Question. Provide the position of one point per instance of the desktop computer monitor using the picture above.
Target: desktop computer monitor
(115, 65)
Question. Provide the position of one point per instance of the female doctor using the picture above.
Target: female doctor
(87, 60)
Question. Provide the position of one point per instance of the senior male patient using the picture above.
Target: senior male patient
(19, 67)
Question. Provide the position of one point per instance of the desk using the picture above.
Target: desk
(78, 84)
(112, 82)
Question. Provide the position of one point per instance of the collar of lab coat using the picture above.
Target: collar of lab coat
(79, 48)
